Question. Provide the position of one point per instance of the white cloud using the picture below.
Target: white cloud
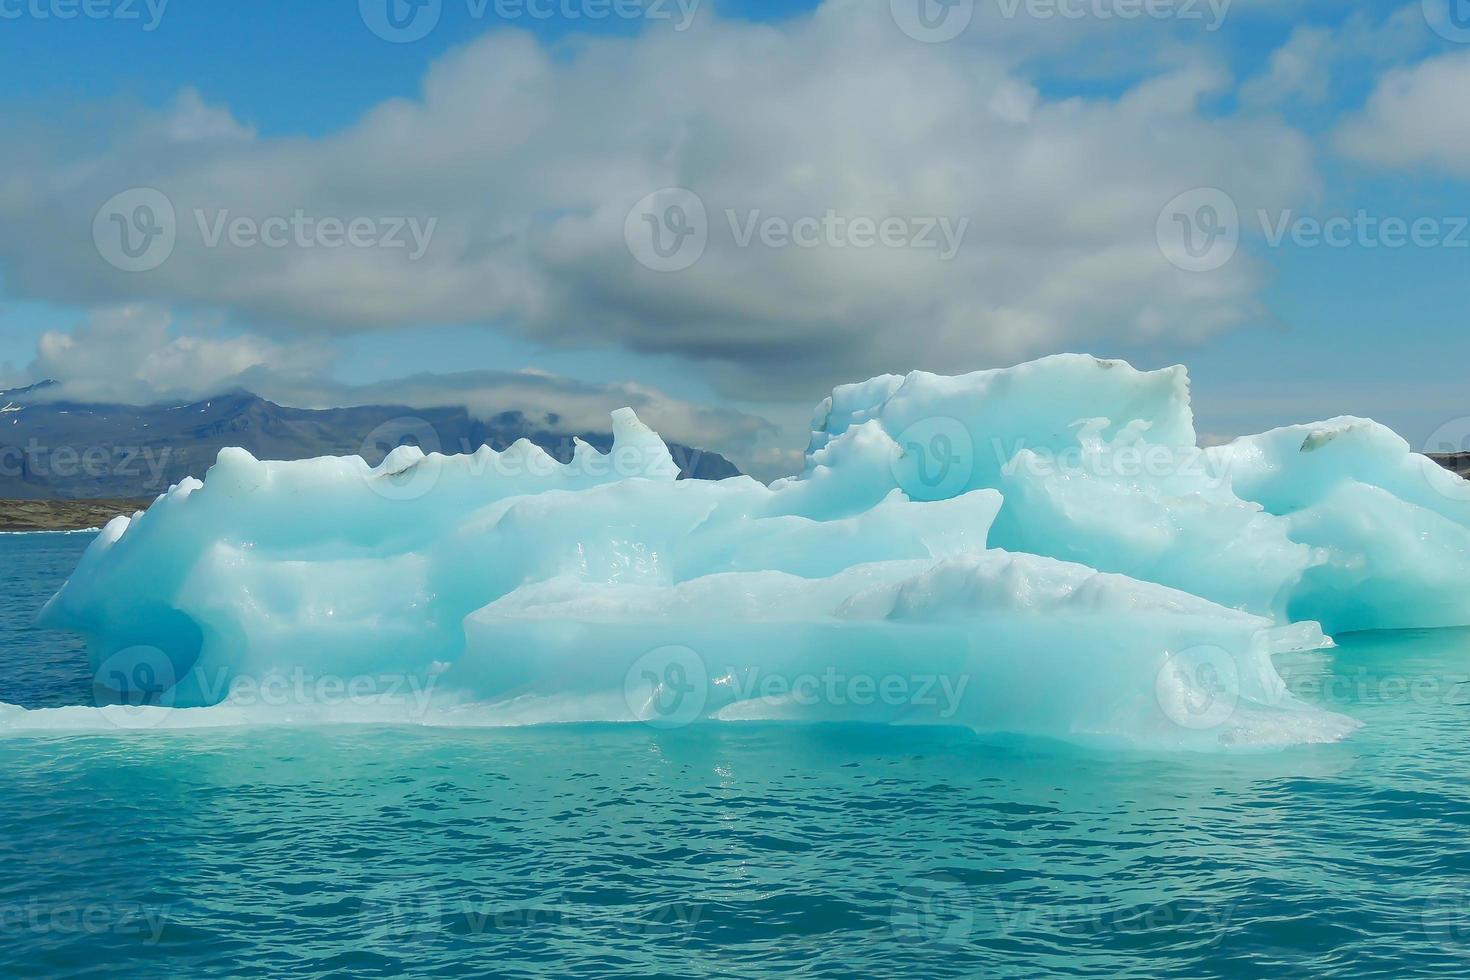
(131, 355)
(529, 159)
(1417, 116)
(1299, 69)
(1316, 59)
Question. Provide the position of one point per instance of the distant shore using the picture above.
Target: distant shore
(64, 515)
(1458, 462)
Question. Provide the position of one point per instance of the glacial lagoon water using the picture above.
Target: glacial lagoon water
(728, 848)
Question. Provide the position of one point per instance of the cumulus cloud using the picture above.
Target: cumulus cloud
(1299, 69)
(521, 164)
(131, 355)
(1417, 116)
(1316, 58)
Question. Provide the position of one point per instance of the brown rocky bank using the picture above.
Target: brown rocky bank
(64, 515)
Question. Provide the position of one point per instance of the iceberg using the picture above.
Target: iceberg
(1040, 550)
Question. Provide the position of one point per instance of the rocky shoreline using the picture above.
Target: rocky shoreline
(64, 515)
(1458, 462)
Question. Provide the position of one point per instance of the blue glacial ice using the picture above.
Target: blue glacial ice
(1039, 550)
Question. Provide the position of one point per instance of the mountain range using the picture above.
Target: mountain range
(56, 449)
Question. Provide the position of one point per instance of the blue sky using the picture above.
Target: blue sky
(526, 140)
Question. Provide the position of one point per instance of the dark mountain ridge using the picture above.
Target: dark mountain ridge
(69, 450)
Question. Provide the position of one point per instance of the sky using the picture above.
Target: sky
(717, 211)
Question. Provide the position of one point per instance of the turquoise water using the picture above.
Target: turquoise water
(735, 850)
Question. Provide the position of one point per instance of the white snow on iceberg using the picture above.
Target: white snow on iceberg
(1041, 549)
